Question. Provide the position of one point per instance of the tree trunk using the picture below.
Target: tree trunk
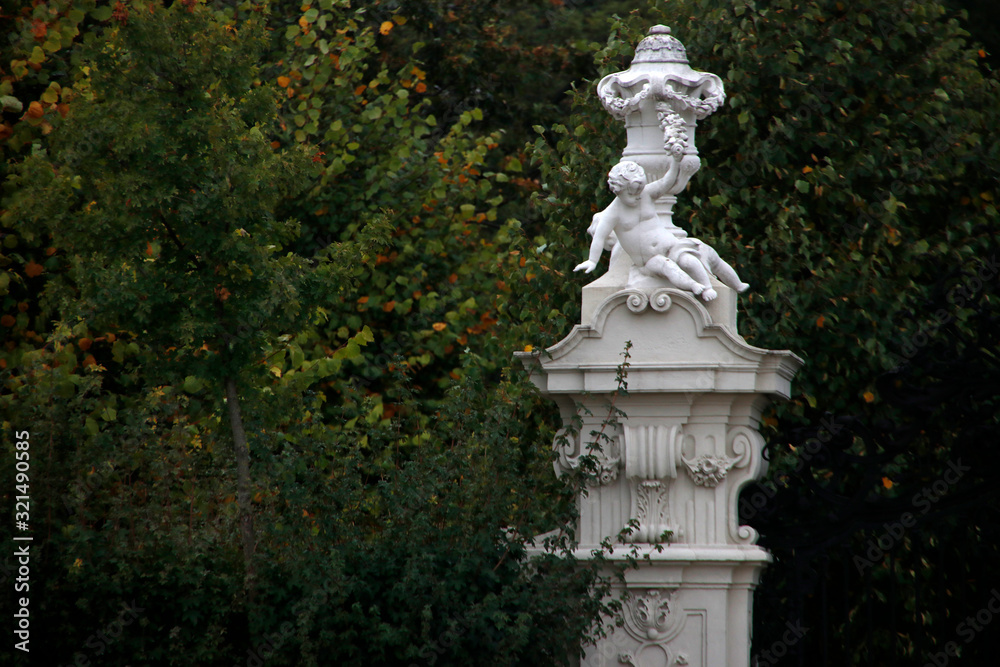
(242, 484)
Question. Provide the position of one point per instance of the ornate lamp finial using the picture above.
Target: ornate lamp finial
(660, 47)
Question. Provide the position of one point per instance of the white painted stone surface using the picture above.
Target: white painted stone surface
(669, 474)
(673, 467)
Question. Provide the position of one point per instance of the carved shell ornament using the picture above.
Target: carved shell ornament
(651, 619)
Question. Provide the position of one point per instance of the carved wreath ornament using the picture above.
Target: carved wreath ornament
(709, 470)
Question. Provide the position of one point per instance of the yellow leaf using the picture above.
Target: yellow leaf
(869, 397)
(529, 348)
(386, 27)
(439, 326)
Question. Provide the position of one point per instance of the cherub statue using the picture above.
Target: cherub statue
(631, 219)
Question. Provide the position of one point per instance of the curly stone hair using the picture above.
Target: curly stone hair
(624, 174)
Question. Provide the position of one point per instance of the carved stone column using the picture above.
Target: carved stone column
(669, 472)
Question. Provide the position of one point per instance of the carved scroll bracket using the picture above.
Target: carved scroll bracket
(606, 457)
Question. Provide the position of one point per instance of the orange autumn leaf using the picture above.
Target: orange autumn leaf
(85, 344)
(529, 348)
(39, 29)
(50, 251)
(868, 396)
(388, 306)
(421, 87)
(453, 278)
(439, 326)
(33, 269)
(887, 483)
(363, 299)
(386, 27)
(89, 361)
(36, 110)
(23, 306)
(806, 170)
(8, 320)
(820, 321)
(111, 337)
(284, 81)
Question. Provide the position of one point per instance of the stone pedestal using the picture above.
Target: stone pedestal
(669, 472)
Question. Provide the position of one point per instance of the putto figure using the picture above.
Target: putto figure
(631, 221)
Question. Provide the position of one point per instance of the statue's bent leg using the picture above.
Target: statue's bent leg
(728, 276)
(692, 265)
(661, 266)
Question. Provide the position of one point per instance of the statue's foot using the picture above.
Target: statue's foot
(698, 288)
(709, 294)
(742, 287)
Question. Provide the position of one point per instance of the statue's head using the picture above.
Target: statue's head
(627, 179)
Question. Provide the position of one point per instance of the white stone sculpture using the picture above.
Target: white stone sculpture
(667, 475)
(660, 98)
(631, 220)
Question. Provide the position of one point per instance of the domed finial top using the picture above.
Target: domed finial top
(660, 47)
